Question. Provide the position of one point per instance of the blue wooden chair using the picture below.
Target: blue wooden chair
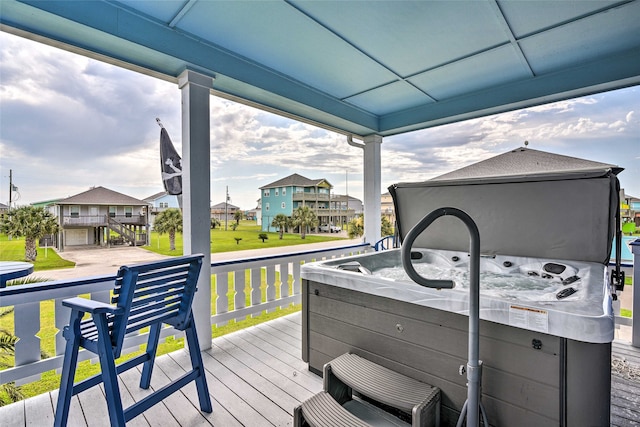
(145, 295)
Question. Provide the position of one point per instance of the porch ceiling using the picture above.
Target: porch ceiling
(358, 67)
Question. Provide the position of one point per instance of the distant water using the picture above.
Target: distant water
(627, 255)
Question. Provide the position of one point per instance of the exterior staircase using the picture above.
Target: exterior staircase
(126, 233)
(360, 393)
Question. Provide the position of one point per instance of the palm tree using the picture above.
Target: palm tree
(280, 221)
(304, 217)
(169, 221)
(237, 215)
(7, 349)
(32, 223)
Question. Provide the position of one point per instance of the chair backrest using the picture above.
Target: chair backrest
(154, 292)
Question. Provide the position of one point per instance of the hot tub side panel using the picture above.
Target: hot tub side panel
(521, 385)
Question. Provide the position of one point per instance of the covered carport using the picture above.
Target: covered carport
(364, 69)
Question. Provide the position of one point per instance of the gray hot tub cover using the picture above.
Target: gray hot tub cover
(525, 202)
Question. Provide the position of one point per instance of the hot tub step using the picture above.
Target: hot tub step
(354, 382)
(322, 410)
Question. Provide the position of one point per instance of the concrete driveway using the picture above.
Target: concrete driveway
(94, 261)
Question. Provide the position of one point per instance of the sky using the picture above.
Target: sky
(69, 123)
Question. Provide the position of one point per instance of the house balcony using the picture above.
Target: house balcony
(311, 197)
(256, 376)
(101, 220)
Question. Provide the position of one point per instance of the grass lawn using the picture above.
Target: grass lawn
(225, 240)
(47, 258)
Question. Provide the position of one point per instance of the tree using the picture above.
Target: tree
(356, 227)
(263, 237)
(281, 222)
(214, 223)
(304, 217)
(238, 215)
(32, 223)
(169, 221)
(386, 229)
(7, 350)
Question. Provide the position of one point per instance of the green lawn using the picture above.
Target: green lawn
(47, 259)
(225, 240)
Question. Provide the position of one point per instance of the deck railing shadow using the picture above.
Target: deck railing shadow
(255, 286)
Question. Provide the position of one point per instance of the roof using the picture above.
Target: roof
(410, 64)
(525, 162)
(222, 205)
(155, 196)
(298, 181)
(101, 196)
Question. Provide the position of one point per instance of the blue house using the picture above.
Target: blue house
(160, 202)
(287, 194)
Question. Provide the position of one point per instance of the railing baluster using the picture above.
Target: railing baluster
(284, 280)
(222, 300)
(255, 282)
(61, 319)
(27, 325)
(240, 299)
(270, 277)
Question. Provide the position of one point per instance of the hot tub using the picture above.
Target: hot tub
(546, 356)
(546, 318)
(568, 299)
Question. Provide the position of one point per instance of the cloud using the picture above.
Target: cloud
(71, 122)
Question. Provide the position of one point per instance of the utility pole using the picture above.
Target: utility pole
(226, 207)
(10, 186)
(346, 184)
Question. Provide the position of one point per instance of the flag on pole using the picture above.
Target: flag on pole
(170, 164)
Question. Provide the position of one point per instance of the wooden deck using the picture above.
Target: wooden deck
(256, 378)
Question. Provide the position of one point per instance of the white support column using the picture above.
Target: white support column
(372, 184)
(196, 154)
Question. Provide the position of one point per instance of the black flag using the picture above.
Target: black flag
(170, 164)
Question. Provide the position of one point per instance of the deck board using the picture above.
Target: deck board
(256, 377)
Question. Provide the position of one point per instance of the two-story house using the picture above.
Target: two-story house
(100, 216)
(287, 194)
(160, 202)
(224, 211)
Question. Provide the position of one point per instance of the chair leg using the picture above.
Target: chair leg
(72, 335)
(197, 365)
(109, 373)
(152, 347)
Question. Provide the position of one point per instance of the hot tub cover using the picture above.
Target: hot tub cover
(525, 202)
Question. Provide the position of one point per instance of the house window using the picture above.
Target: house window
(112, 211)
(283, 205)
(266, 206)
(164, 204)
(74, 211)
(277, 192)
(284, 191)
(128, 211)
(267, 193)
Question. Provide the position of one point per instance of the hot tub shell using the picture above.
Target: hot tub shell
(544, 362)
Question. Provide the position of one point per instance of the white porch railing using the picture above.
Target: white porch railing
(262, 295)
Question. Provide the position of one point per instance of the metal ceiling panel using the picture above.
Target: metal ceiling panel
(279, 37)
(492, 68)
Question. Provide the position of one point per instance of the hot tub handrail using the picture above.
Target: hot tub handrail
(472, 406)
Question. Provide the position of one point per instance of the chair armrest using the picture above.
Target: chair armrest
(90, 306)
